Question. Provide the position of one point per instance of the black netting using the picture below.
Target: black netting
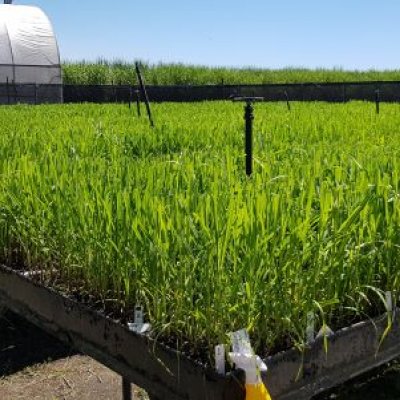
(30, 93)
(331, 92)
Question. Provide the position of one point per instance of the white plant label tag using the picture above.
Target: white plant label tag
(138, 325)
(220, 359)
(241, 342)
(138, 318)
(310, 330)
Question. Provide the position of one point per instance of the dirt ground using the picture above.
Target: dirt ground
(36, 366)
(33, 365)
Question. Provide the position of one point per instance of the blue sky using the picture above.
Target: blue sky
(352, 34)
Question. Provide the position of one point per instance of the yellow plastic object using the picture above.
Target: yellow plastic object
(257, 392)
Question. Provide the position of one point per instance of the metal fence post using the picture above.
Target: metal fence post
(377, 100)
(139, 113)
(287, 100)
(8, 92)
(249, 117)
(15, 92)
(144, 93)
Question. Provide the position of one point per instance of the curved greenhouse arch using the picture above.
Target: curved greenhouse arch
(29, 51)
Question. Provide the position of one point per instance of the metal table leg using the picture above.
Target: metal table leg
(126, 389)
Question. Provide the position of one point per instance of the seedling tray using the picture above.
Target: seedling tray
(167, 374)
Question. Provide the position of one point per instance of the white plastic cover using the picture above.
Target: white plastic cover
(28, 47)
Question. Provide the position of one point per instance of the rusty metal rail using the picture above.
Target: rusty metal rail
(169, 375)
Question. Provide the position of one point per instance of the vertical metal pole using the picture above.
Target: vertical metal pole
(8, 92)
(15, 92)
(249, 117)
(113, 91)
(144, 94)
(139, 113)
(126, 389)
(130, 97)
(377, 100)
(287, 100)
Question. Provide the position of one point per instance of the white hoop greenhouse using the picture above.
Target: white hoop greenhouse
(30, 68)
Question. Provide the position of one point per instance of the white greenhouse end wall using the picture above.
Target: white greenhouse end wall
(28, 49)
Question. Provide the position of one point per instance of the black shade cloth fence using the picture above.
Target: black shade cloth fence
(331, 92)
(11, 93)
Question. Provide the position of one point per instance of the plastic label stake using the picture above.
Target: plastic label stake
(310, 331)
(139, 326)
(220, 359)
